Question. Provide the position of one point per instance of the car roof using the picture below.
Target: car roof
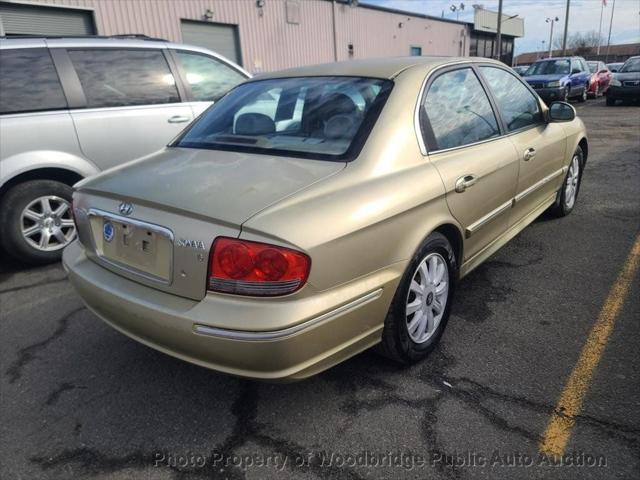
(388, 67)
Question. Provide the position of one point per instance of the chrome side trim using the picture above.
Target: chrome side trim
(539, 184)
(285, 332)
(474, 227)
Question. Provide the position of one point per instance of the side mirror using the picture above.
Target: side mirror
(603, 71)
(575, 70)
(613, 70)
(561, 112)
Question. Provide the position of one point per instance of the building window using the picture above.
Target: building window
(416, 51)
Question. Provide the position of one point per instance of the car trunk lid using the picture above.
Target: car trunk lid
(154, 220)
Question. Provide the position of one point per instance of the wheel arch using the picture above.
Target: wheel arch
(584, 145)
(63, 175)
(454, 236)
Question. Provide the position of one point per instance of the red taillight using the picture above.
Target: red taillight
(253, 268)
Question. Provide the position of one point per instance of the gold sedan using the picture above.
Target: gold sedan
(313, 213)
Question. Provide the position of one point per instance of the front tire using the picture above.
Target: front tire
(567, 196)
(610, 101)
(583, 97)
(36, 220)
(422, 303)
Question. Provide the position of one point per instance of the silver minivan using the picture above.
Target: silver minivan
(71, 107)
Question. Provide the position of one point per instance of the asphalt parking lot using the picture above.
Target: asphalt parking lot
(79, 400)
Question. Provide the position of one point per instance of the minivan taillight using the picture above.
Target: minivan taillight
(253, 268)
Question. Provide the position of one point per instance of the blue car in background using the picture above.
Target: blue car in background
(559, 78)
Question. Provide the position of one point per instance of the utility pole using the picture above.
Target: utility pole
(566, 29)
(602, 2)
(499, 33)
(613, 7)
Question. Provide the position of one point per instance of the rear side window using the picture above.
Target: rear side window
(518, 106)
(208, 77)
(118, 77)
(29, 82)
(458, 111)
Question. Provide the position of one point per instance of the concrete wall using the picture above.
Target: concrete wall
(269, 42)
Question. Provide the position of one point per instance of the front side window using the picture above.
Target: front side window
(29, 82)
(458, 111)
(550, 67)
(121, 77)
(208, 77)
(315, 117)
(518, 106)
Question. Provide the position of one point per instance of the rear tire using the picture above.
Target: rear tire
(434, 262)
(567, 196)
(22, 212)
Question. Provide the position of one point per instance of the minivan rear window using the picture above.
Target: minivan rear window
(314, 117)
(28, 81)
(124, 77)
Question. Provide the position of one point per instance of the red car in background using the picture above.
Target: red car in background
(600, 78)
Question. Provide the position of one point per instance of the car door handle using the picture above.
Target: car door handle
(465, 182)
(529, 154)
(178, 119)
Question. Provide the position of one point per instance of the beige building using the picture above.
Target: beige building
(261, 35)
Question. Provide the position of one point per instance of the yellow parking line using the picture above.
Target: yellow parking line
(569, 405)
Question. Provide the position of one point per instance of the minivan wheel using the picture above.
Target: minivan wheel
(568, 194)
(422, 303)
(37, 221)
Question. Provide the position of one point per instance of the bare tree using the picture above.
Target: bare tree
(580, 42)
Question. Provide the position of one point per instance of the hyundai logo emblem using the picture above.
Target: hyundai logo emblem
(125, 208)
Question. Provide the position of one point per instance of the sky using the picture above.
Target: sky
(584, 15)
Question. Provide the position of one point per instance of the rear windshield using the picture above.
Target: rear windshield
(631, 65)
(549, 67)
(593, 67)
(314, 117)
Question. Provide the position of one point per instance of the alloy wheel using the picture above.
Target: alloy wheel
(571, 184)
(47, 223)
(427, 297)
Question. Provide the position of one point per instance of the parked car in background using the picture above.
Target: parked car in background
(625, 85)
(276, 243)
(600, 78)
(614, 67)
(560, 78)
(520, 69)
(71, 107)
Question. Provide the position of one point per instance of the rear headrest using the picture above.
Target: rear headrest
(340, 126)
(336, 103)
(254, 124)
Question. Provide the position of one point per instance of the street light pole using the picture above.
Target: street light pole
(566, 29)
(606, 56)
(551, 21)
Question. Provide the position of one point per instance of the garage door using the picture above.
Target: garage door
(222, 39)
(18, 19)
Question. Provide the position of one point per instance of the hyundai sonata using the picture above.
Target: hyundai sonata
(313, 213)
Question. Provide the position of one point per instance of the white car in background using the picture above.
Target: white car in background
(72, 107)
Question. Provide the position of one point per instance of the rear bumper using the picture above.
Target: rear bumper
(187, 329)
